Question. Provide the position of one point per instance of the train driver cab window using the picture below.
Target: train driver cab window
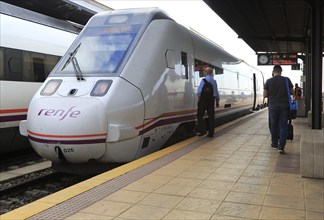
(99, 50)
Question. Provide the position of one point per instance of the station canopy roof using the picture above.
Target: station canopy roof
(60, 9)
(281, 26)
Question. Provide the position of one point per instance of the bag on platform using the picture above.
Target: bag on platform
(292, 104)
(290, 131)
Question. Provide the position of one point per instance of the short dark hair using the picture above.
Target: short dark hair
(277, 68)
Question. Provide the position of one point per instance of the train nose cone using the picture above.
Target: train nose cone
(73, 129)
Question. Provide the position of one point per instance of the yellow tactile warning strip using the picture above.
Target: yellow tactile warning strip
(86, 193)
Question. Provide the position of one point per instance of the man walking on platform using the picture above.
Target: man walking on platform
(275, 89)
(207, 95)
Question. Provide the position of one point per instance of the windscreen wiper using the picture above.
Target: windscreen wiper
(72, 54)
(77, 69)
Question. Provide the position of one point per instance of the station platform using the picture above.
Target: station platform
(235, 175)
(22, 171)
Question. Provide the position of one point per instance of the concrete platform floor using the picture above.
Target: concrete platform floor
(236, 175)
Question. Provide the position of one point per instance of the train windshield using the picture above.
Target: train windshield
(99, 50)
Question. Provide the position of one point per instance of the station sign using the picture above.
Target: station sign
(277, 59)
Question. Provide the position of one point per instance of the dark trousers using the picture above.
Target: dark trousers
(204, 106)
(278, 120)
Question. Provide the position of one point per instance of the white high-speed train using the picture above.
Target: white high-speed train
(127, 84)
(31, 44)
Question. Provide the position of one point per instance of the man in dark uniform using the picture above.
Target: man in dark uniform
(276, 90)
(207, 104)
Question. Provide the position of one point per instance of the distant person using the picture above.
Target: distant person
(206, 102)
(276, 91)
(298, 92)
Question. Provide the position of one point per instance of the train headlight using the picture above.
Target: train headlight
(101, 88)
(51, 87)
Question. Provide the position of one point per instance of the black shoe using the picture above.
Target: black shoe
(210, 135)
(274, 147)
(281, 151)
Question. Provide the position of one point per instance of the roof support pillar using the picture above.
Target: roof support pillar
(316, 64)
(308, 73)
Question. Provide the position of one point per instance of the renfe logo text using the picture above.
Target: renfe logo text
(60, 113)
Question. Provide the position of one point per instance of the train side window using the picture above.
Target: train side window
(218, 70)
(13, 64)
(170, 59)
(184, 65)
(50, 63)
(41, 65)
(200, 66)
(19, 65)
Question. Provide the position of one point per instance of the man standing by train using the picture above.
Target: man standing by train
(275, 89)
(207, 95)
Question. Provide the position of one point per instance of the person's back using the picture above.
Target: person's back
(277, 91)
(207, 93)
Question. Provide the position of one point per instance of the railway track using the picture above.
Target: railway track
(16, 184)
(25, 189)
(19, 160)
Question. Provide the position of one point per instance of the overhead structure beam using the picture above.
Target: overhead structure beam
(285, 20)
(269, 31)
